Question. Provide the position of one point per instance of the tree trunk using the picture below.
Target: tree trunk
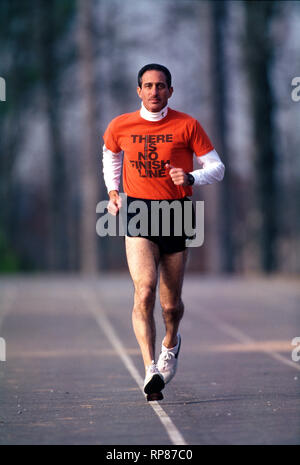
(258, 54)
(58, 212)
(90, 171)
(225, 204)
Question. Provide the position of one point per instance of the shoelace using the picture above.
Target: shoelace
(166, 355)
(152, 369)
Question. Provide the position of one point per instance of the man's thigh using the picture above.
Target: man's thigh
(172, 267)
(143, 259)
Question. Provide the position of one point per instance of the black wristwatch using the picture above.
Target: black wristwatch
(191, 179)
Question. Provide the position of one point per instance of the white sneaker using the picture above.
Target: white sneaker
(168, 359)
(154, 381)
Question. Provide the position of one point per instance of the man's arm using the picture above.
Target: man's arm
(112, 168)
(212, 170)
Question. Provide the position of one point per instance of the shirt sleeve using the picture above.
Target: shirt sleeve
(111, 139)
(199, 140)
(212, 169)
(112, 168)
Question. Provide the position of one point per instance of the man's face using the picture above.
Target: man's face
(154, 91)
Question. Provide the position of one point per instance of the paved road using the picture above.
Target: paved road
(73, 369)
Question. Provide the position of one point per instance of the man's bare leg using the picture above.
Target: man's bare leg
(172, 268)
(143, 259)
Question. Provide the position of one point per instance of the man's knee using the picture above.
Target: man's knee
(170, 309)
(145, 295)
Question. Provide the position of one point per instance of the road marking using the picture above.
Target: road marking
(244, 339)
(103, 322)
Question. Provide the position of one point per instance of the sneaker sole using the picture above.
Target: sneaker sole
(155, 385)
(155, 396)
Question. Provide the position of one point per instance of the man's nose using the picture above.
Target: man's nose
(154, 90)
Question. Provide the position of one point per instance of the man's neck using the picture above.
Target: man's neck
(151, 116)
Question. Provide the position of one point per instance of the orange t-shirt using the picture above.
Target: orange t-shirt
(149, 145)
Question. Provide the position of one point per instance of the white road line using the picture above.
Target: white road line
(244, 339)
(173, 433)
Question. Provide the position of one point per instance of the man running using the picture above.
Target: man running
(158, 144)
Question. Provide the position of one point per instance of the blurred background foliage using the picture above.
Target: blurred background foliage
(70, 66)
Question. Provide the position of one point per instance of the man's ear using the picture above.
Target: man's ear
(171, 90)
(139, 90)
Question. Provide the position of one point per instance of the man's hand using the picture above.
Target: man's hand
(178, 175)
(115, 202)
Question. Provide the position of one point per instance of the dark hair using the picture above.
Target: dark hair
(155, 66)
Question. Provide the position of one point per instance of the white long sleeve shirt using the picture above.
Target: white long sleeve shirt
(212, 169)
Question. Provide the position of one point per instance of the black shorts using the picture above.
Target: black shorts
(174, 239)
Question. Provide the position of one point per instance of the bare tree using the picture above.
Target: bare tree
(88, 161)
(58, 213)
(258, 54)
(219, 99)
